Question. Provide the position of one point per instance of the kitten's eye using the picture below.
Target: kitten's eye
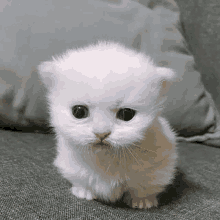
(125, 114)
(80, 111)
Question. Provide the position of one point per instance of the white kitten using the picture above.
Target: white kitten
(105, 101)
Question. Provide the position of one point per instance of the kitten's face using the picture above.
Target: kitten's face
(103, 96)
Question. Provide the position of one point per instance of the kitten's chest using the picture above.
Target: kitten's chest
(119, 164)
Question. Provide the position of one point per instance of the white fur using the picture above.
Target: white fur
(107, 77)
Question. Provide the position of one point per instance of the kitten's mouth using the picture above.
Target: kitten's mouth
(102, 145)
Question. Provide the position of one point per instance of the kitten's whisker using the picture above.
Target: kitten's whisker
(132, 150)
(108, 167)
(143, 149)
(124, 157)
(132, 155)
(116, 152)
(119, 151)
(137, 146)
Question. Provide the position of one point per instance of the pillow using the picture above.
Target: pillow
(189, 108)
(21, 92)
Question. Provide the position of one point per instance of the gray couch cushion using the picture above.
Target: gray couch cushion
(31, 188)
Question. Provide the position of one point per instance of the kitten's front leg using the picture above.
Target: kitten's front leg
(136, 200)
(100, 190)
(82, 193)
(146, 203)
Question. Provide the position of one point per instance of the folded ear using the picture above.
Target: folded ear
(46, 71)
(167, 78)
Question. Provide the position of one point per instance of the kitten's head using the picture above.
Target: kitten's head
(104, 94)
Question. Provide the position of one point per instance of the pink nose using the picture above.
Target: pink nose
(102, 136)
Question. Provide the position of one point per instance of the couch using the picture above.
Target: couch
(32, 188)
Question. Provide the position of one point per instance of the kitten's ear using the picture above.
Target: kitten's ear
(167, 73)
(46, 71)
(167, 78)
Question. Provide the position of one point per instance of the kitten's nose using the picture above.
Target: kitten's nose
(102, 136)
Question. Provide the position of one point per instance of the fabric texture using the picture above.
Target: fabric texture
(189, 108)
(200, 25)
(32, 189)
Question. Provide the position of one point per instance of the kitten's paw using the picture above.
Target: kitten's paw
(143, 203)
(82, 193)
